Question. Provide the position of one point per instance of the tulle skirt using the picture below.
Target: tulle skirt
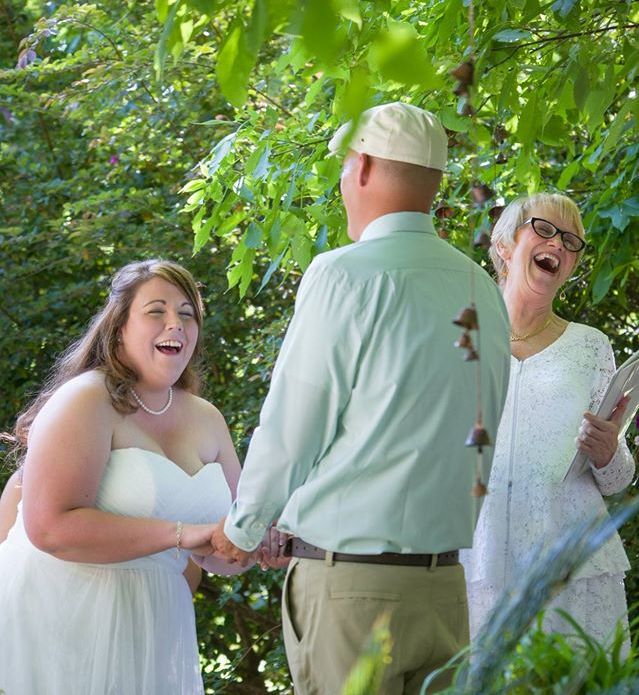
(79, 629)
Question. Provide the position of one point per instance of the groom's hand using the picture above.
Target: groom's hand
(223, 547)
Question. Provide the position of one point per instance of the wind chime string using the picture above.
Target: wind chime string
(468, 319)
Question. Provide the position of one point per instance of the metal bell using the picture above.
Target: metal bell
(480, 193)
(495, 212)
(465, 341)
(478, 436)
(479, 489)
(464, 72)
(443, 211)
(467, 318)
(471, 355)
(482, 239)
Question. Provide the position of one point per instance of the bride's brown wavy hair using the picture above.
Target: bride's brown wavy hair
(98, 347)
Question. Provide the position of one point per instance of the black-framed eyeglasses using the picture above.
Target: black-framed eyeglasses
(547, 230)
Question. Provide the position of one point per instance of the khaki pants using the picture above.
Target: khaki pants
(328, 611)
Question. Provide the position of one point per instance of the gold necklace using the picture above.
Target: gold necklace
(514, 338)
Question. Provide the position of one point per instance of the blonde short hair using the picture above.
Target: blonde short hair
(518, 210)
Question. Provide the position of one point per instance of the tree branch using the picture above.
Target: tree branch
(562, 37)
(11, 318)
(275, 103)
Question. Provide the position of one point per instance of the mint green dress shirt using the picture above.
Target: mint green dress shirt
(360, 445)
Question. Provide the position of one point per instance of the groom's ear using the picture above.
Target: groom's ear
(364, 163)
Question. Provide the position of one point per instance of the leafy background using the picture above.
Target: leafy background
(197, 130)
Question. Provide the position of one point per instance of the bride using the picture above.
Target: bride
(125, 471)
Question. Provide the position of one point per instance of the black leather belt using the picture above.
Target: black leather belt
(298, 548)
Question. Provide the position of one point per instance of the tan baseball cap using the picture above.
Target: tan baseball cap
(397, 131)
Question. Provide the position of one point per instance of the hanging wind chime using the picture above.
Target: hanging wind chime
(468, 319)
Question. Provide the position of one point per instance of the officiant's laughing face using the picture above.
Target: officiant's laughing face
(547, 247)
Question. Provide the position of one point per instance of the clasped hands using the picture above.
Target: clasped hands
(269, 554)
(598, 438)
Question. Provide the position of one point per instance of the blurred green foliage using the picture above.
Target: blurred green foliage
(141, 129)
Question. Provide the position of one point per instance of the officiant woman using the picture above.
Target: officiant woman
(559, 372)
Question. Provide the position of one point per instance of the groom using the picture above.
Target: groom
(360, 449)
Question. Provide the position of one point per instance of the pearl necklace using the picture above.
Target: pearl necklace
(146, 407)
(514, 338)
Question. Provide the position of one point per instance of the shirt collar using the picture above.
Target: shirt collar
(398, 221)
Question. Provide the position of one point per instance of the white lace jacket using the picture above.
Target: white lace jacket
(527, 501)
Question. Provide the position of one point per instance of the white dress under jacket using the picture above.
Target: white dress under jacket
(528, 503)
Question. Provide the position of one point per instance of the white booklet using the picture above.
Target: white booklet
(625, 382)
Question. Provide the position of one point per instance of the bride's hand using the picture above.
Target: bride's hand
(197, 538)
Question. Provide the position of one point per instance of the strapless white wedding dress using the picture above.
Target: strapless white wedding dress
(125, 628)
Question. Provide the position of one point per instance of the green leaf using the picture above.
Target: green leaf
(508, 97)
(231, 222)
(554, 132)
(529, 121)
(355, 96)
(595, 106)
(399, 55)
(203, 234)
(566, 100)
(197, 220)
(567, 174)
(239, 271)
(319, 30)
(247, 271)
(616, 128)
(291, 191)
(280, 14)
(257, 27)
(161, 9)
(527, 171)
(220, 151)
(322, 238)
(301, 247)
(453, 121)
(253, 236)
(205, 7)
(602, 282)
(563, 6)
(186, 29)
(161, 50)
(234, 65)
(620, 214)
(349, 9)
(274, 265)
(195, 197)
(193, 185)
(511, 35)
(581, 85)
(258, 165)
(449, 21)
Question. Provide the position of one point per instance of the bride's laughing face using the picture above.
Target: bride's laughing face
(160, 334)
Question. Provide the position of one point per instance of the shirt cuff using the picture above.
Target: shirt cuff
(246, 531)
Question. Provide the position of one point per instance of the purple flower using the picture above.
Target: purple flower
(26, 57)
(114, 159)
